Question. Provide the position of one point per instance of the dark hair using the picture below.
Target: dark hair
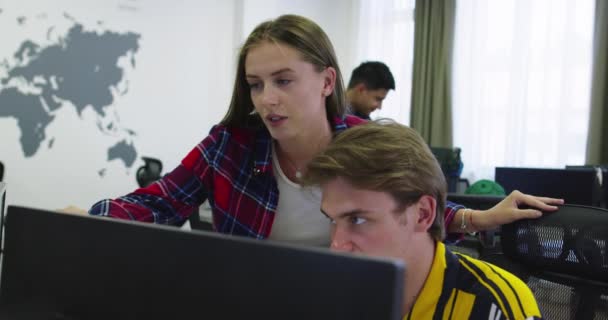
(374, 75)
(384, 156)
(309, 40)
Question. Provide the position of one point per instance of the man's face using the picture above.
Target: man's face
(367, 222)
(366, 101)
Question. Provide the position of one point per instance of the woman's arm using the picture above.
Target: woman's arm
(172, 199)
(504, 212)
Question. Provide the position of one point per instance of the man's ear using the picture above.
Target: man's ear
(329, 81)
(361, 88)
(426, 213)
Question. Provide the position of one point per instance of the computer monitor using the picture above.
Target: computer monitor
(84, 267)
(601, 174)
(574, 186)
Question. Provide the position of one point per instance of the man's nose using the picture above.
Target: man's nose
(340, 241)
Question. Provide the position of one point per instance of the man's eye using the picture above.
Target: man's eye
(357, 220)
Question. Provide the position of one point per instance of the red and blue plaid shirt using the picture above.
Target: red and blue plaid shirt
(232, 168)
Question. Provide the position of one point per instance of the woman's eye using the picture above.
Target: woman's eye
(283, 82)
(254, 86)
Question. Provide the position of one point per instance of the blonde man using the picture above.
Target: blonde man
(384, 193)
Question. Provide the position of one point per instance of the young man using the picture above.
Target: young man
(384, 193)
(369, 84)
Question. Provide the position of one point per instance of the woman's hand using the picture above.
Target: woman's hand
(508, 211)
(73, 210)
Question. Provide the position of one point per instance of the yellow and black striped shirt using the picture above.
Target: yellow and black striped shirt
(460, 287)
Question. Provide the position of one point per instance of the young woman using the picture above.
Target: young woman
(287, 104)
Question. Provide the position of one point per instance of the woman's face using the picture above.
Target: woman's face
(288, 93)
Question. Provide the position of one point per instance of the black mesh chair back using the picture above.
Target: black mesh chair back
(564, 260)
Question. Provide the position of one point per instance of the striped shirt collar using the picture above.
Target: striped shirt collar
(430, 294)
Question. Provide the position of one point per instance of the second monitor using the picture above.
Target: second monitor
(574, 186)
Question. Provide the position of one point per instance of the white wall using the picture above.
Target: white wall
(179, 88)
(336, 17)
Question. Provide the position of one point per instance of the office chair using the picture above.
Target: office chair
(451, 165)
(1, 171)
(149, 172)
(563, 257)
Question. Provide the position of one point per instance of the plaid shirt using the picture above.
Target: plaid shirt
(232, 168)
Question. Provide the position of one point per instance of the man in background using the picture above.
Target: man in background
(368, 87)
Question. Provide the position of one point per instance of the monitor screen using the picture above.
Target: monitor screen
(601, 173)
(573, 185)
(84, 267)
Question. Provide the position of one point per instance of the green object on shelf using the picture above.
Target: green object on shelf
(486, 187)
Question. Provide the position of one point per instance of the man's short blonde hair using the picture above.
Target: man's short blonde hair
(387, 157)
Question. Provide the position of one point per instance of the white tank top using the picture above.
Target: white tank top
(298, 219)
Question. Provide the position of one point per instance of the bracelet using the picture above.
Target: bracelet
(471, 222)
(463, 224)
